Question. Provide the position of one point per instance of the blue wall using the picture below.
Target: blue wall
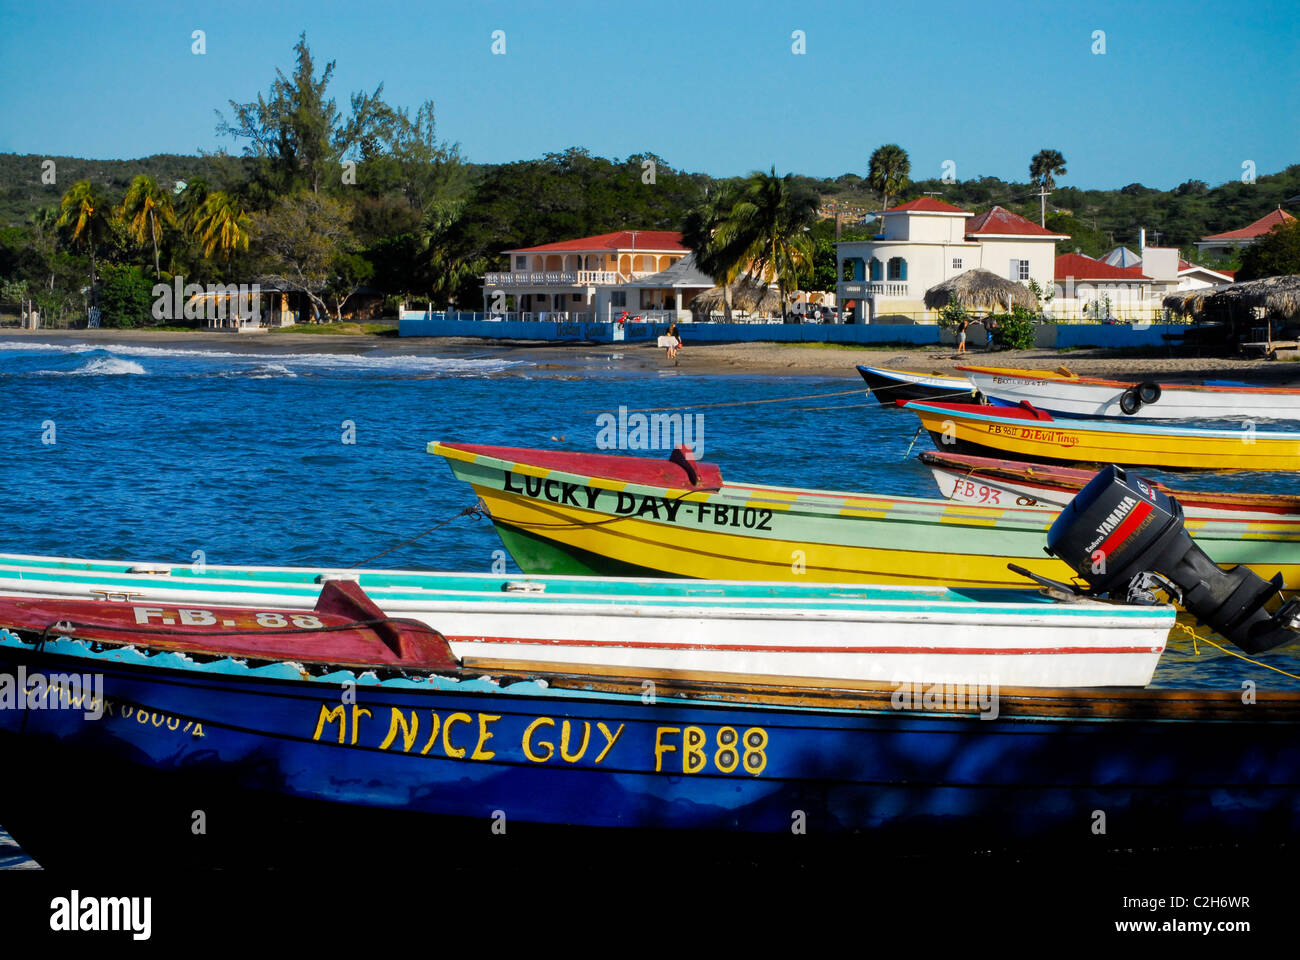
(420, 325)
(1049, 335)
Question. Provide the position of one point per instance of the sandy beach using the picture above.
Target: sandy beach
(747, 359)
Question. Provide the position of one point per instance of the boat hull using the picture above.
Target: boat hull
(1009, 433)
(1074, 396)
(752, 532)
(843, 632)
(996, 482)
(457, 763)
(888, 385)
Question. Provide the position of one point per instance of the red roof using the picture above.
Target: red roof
(1260, 227)
(619, 240)
(1079, 267)
(999, 221)
(927, 205)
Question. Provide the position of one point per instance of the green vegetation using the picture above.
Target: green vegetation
(1275, 254)
(344, 329)
(1014, 330)
(329, 196)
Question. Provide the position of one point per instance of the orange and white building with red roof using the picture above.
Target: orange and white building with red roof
(1223, 244)
(646, 272)
(924, 242)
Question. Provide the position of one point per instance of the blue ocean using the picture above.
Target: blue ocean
(153, 452)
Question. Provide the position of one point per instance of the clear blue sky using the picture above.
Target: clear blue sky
(1184, 89)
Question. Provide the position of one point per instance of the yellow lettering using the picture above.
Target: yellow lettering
(661, 748)
(433, 733)
(609, 738)
(692, 750)
(484, 736)
(328, 716)
(357, 714)
(564, 741)
(446, 734)
(397, 720)
(528, 738)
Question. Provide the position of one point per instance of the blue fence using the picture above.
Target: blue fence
(1049, 335)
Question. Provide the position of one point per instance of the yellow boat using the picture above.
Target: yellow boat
(1026, 433)
(561, 512)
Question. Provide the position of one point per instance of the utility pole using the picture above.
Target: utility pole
(1043, 193)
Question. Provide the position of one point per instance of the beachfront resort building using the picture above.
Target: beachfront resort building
(1223, 244)
(924, 242)
(647, 273)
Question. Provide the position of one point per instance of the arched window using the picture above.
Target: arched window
(875, 269)
(897, 268)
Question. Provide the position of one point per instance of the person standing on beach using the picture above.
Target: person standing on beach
(961, 335)
(990, 325)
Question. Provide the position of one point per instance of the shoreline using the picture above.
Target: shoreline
(739, 359)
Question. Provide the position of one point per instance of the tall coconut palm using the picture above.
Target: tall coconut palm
(888, 171)
(84, 219)
(221, 225)
(768, 224)
(700, 233)
(1043, 168)
(145, 209)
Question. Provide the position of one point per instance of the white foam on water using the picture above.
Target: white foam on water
(342, 362)
(100, 367)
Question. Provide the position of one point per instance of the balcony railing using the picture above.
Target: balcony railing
(567, 278)
(878, 288)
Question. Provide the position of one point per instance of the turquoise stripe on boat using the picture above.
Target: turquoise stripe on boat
(1110, 425)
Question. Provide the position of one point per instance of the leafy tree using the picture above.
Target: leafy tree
(127, 296)
(888, 170)
(300, 240)
(145, 209)
(767, 225)
(952, 313)
(300, 131)
(1045, 166)
(1015, 330)
(1275, 254)
(85, 219)
(721, 260)
(221, 226)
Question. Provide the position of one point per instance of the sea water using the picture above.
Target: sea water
(287, 458)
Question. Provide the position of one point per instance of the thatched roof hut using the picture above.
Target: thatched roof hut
(748, 295)
(1276, 298)
(980, 290)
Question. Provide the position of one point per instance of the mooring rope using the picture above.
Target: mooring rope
(476, 511)
(1197, 650)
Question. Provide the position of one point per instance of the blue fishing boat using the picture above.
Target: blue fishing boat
(196, 743)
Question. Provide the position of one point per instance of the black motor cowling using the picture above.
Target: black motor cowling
(1124, 536)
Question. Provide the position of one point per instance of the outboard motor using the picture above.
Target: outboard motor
(1125, 538)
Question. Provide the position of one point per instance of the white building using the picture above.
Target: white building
(927, 241)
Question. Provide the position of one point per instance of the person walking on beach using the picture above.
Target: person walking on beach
(673, 341)
(961, 335)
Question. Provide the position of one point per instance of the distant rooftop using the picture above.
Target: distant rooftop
(1257, 229)
(1000, 222)
(660, 241)
(1079, 267)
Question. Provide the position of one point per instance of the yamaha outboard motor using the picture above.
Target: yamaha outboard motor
(1125, 537)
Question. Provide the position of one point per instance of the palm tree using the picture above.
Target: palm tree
(700, 233)
(1045, 165)
(888, 171)
(768, 226)
(145, 209)
(220, 224)
(84, 218)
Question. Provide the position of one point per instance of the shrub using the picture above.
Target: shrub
(125, 296)
(1015, 330)
(952, 314)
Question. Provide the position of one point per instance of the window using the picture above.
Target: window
(875, 269)
(521, 263)
(1019, 269)
(897, 269)
(618, 298)
(956, 263)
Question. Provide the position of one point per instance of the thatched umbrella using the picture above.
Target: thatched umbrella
(1277, 297)
(980, 290)
(748, 294)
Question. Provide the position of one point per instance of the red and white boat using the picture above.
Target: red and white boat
(1067, 394)
(990, 481)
